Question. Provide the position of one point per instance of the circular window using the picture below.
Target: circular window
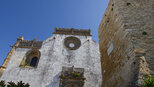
(72, 43)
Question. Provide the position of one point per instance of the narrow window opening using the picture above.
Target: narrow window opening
(31, 59)
(34, 62)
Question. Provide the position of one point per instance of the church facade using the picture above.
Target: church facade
(69, 58)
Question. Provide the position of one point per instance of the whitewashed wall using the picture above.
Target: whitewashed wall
(53, 56)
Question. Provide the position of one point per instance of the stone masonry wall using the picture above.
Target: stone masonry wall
(126, 37)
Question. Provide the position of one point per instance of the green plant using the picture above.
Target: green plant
(128, 4)
(2, 84)
(62, 75)
(75, 74)
(12, 84)
(144, 33)
(149, 81)
(26, 64)
(21, 84)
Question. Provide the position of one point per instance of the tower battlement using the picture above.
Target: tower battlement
(72, 31)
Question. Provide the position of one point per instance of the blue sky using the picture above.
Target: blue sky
(38, 18)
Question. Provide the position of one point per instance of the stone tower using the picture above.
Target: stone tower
(69, 58)
(126, 37)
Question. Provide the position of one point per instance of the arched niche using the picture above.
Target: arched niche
(31, 58)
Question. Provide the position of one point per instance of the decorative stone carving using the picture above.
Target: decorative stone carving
(72, 77)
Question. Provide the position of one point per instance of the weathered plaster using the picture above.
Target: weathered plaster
(53, 56)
